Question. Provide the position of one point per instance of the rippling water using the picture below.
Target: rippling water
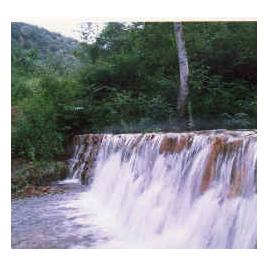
(53, 221)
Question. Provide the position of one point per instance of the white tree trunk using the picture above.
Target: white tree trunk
(183, 70)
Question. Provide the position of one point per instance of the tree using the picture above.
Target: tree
(89, 31)
(183, 71)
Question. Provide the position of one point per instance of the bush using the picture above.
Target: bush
(37, 174)
(34, 132)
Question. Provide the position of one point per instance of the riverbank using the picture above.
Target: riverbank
(30, 178)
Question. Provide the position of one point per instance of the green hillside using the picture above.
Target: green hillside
(45, 44)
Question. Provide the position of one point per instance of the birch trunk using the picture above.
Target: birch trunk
(183, 71)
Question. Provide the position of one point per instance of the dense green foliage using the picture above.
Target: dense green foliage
(223, 61)
(39, 173)
(128, 81)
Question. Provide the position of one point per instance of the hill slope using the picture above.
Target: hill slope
(48, 45)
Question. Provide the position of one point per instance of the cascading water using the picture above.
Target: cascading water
(185, 190)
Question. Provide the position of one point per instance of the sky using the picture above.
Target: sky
(65, 26)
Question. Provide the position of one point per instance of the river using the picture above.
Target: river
(186, 190)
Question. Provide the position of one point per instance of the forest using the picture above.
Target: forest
(127, 80)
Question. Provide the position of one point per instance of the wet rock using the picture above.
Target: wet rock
(29, 190)
(208, 175)
(238, 177)
(174, 145)
(86, 157)
(223, 148)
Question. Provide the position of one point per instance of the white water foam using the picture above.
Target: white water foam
(145, 197)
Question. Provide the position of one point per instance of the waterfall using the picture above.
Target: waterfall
(173, 190)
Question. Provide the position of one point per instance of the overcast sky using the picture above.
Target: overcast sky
(65, 26)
